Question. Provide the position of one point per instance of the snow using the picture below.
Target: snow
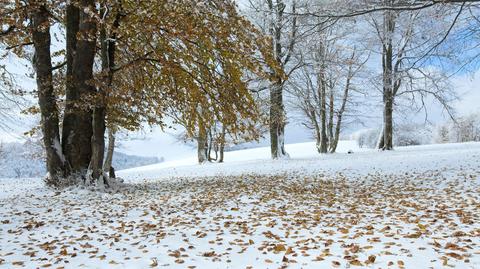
(306, 160)
(415, 207)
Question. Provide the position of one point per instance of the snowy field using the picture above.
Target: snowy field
(415, 207)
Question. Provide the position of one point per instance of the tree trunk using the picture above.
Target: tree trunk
(221, 145)
(330, 118)
(323, 120)
(334, 143)
(110, 149)
(209, 145)
(46, 97)
(313, 118)
(202, 144)
(277, 110)
(277, 122)
(388, 124)
(98, 143)
(78, 118)
(98, 136)
(71, 95)
(387, 64)
(322, 95)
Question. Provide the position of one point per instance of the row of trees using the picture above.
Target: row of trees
(339, 54)
(106, 65)
(126, 63)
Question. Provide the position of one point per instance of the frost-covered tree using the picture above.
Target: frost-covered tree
(278, 19)
(327, 80)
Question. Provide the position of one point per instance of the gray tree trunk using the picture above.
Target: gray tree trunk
(277, 122)
(46, 96)
(331, 113)
(334, 143)
(202, 143)
(221, 145)
(110, 149)
(388, 82)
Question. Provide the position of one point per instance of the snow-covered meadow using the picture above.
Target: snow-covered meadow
(415, 207)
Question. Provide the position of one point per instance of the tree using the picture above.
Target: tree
(406, 47)
(189, 56)
(39, 15)
(278, 19)
(323, 89)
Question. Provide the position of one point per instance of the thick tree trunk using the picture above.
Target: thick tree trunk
(110, 149)
(98, 143)
(388, 84)
(99, 113)
(388, 124)
(71, 94)
(46, 97)
(277, 110)
(277, 122)
(78, 118)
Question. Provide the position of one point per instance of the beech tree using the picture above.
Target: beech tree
(189, 56)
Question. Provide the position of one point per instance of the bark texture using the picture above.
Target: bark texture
(46, 97)
(78, 115)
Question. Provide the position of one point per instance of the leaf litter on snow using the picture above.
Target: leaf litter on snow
(426, 219)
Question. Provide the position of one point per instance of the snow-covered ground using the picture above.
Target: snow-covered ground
(306, 160)
(415, 207)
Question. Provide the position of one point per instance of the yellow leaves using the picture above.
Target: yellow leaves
(371, 259)
(336, 264)
(355, 262)
(279, 247)
(459, 234)
(422, 227)
(18, 263)
(209, 254)
(63, 252)
(413, 235)
(454, 255)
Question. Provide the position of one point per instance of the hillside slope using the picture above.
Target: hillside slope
(415, 207)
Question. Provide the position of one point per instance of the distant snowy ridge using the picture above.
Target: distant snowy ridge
(19, 160)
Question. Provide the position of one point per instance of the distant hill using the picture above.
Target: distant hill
(18, 160)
